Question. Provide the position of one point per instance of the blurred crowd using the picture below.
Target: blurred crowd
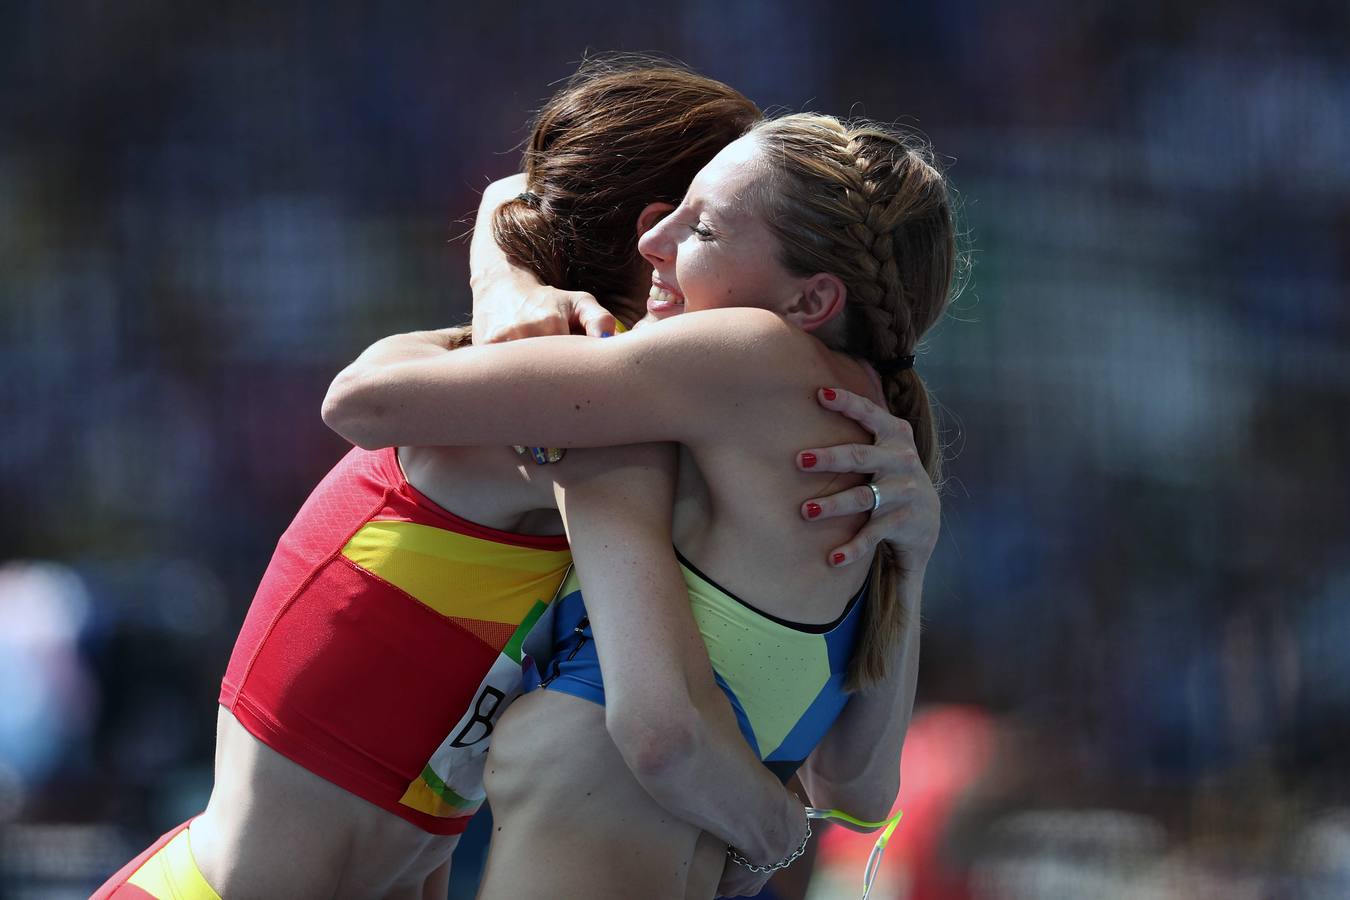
(1133, 679)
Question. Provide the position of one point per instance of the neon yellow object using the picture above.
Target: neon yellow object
(172, 873)
(874, 860)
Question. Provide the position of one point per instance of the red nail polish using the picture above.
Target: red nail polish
(837, 558)
(808, 460)
(829, 394)
(812, 510)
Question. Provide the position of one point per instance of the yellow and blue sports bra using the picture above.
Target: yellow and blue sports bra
(785, 680)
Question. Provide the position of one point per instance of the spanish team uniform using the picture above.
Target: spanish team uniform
(373, 628)
(383, 642)
(785, 680)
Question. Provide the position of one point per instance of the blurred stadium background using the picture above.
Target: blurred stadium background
(1134, 682)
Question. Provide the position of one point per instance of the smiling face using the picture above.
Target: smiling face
(715, 249)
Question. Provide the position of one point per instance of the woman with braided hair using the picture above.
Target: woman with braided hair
(816, 254)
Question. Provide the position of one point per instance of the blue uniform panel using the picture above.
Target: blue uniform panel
(785, 681)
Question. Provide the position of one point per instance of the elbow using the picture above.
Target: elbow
(877, 805)
(352, 413)
(869, 799)
(655, 747)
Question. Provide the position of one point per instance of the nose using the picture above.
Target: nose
(656, 245)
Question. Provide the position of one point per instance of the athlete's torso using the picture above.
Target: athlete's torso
(785, 685)
(785, 681)
(372, 628)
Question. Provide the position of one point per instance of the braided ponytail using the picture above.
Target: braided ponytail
(868, 205)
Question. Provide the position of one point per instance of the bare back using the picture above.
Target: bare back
(739, 493)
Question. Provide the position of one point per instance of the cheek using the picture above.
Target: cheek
(710, 280)
(687, 261)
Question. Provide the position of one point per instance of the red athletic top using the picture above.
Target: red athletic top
(375, 622)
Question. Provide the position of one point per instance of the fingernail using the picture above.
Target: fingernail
(812, 510)
(837, 559)
(829, 394)
(605, 334)
(808, 460)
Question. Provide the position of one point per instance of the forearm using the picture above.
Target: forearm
(558, 391)
(490, 271)
(665, 713)
(676, 729)
(355, 394)
(717, 783)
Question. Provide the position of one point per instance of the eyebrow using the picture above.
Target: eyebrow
(721, 211)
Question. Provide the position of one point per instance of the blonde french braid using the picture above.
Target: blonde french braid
(867, 205)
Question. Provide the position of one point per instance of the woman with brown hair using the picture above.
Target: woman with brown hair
(370, 670)
(816, 254)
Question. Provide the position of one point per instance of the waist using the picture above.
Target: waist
(273, 821)
(552, 762)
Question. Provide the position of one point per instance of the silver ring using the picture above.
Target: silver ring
(876, 497)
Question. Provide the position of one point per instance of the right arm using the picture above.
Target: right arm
(568, 391)
(664, 712)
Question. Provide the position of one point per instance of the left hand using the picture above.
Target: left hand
(910, 513)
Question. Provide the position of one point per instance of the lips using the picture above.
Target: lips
(663, 299)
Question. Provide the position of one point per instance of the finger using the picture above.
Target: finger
(874, 418)
(860, 547)
(860, 458)
(848, 502)
(542, 326)
(593, 318)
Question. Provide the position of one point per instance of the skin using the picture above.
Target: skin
(739, 412)
(274, 829)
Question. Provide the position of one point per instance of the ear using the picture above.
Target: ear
(651, 214)
(822, 298)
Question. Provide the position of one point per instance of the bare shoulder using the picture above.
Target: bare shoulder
(745, 341)
(724, 325)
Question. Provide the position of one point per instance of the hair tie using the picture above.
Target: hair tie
(530, 198)
(892, 366)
